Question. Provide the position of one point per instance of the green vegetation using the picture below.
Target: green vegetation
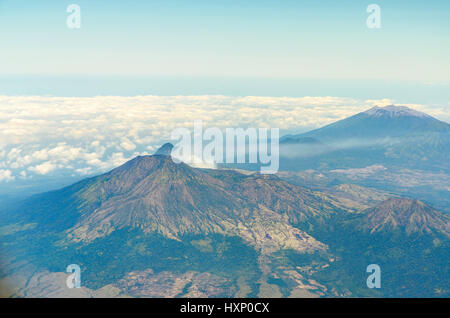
(108, 259)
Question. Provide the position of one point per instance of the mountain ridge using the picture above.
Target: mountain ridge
(408, 215)
(155, 194)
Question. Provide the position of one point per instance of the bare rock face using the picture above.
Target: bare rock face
(169, 285)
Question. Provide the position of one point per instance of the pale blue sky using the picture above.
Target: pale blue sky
(326, 41)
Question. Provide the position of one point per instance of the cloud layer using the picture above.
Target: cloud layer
(41, 135)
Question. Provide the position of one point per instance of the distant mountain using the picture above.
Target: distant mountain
(289, 139)
(391, 135)
(378, 122)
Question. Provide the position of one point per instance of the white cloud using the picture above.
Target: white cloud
(43, 168)
(45, 135)
(83, 171)
(6, 175)
(127, 144)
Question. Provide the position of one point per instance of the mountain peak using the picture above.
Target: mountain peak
(411, 216)
(164, 150)
(393, 111)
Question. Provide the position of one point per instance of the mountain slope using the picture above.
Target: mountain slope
(406, 215)
(406, 238)
(155, 194)
(391, 135)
